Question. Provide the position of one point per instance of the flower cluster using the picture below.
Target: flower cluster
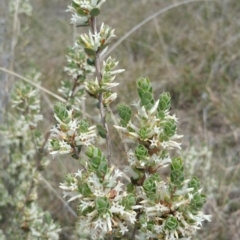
(83, 10)
(155, 127)
(94, 88)
(104, 206)
(26, 101)
(93, 43)
(69, 135)
(170, 209)
(77, 65)
(39, 224)
(77, 68)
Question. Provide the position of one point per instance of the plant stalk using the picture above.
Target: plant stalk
(100, 98)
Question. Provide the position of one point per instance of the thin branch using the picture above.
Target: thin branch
(65, 204)
(139, 25)
(33, 84)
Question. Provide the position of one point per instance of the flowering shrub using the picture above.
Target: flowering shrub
(150, 206)
(22, 149)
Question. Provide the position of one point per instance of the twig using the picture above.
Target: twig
(33, 84)
(65, 204)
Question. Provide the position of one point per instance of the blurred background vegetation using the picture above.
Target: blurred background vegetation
(192, 51)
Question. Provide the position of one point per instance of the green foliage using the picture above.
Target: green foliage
(141, 152)
(171, 223)
(125, 113)
(145, 92)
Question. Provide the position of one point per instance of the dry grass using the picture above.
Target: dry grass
(192, 51)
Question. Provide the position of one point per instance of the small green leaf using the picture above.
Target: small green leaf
(95, 12)
(125, 113)
(90, 52)
(108, 116)
(129, 201)
(171, 223)
(62, 113)
(177, 163)
(194, 183)
(177, 177)
(85, 190)
(198, 201)
(55, 144)
(164, 101)
(149, 186)
(81, 12)
(143, 133)
(83, 126)
(90, 62)
(141, 152)
(102, 131)
(102, 205)
(130, 188)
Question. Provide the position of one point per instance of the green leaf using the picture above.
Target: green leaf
(102, 131)
(108, 116)
(129, 201)
(143, 133)
(102, 205)
(91, 61)
(85, 190)
(194, 183)
(171, 223)
(149, 186)
(198, 201)
(81, 12)
(141, 152)
(83, 126)
(55, 144)
(95, 12)
(177, 177)
(125, 112)
(130, 188)
(164, 101)
(177, 163)
(62, 113)
(145, 92)
(169, 128)
(90, 52)
(102, 169)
